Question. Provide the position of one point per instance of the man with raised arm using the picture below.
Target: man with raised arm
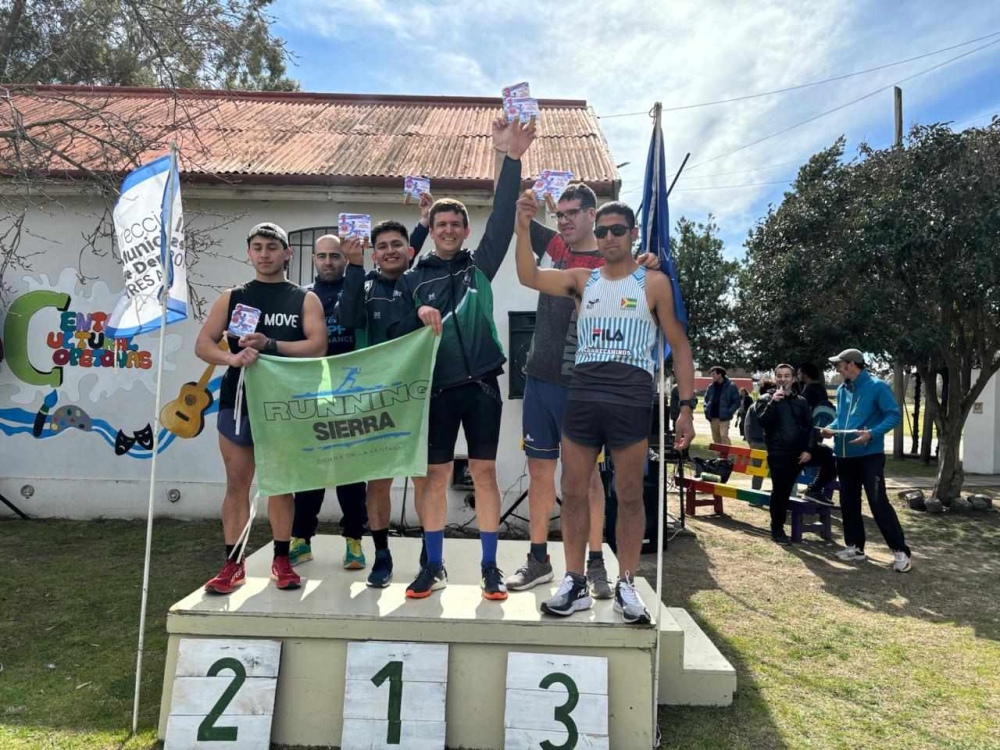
(450, 291)
(622, 308)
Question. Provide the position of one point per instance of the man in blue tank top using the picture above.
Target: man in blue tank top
(622, 308)
(274, 316)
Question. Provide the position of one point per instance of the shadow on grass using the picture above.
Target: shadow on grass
(748, 722)
(955, 576)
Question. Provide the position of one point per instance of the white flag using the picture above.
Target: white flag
(149, 229)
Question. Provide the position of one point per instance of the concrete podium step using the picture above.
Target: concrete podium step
(334, 607)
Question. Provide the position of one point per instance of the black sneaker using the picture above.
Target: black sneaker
(381, 574)
(781, 538)
(817, 496)
(494, 587)
(429, 579)
(572, 596)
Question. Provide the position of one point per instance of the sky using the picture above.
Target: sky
(624, 55)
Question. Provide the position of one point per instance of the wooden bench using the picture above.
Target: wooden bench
(753, 462)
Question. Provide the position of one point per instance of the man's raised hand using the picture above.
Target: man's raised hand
(501, 134)
(527, 209)
(354, 251)
(521, 136)
(426, 201)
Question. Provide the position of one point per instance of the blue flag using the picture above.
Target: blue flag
(149, 233)
(655, 219)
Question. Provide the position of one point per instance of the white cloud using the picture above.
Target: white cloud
(623, 55)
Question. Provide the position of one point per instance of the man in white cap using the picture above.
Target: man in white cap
(268, 315)
(866, 411)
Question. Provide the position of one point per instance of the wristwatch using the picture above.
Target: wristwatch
(692, 402)
(271, 346)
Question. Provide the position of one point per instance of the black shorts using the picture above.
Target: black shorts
(597, 424)
(477, 407)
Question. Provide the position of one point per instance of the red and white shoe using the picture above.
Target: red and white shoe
(283, 575)
(233, 574)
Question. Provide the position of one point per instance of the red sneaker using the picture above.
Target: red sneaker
(283, 575)
(233, 574)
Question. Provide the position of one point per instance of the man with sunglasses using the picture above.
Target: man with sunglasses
(548, 373)
(610, 401)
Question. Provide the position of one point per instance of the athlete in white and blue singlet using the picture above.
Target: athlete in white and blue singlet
(622, 307)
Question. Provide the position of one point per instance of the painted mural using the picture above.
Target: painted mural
(59, 372)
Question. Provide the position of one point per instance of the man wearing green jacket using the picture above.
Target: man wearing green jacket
(866, 411)
(450, 291)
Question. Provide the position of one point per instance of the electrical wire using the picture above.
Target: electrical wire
(799, 86)
(842, 106)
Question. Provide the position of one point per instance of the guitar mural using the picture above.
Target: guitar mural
(185, 415)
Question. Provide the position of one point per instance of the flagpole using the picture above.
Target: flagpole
(661, 464)
(166, 256)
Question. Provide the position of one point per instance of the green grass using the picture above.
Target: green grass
(828, 655)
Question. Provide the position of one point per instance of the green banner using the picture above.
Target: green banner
(336, 420)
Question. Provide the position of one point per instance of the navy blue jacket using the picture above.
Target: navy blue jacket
(729, 398)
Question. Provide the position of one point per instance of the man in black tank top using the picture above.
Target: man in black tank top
(273, 316)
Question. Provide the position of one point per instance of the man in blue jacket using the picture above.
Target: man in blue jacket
(866, 411)
(722, 400)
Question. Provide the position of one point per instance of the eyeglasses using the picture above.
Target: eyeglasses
(618, 230)
(569, 213)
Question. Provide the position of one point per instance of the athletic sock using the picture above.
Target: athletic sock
(435, 546)
(230, 548)
(488, 540)
(281, 548)
(591, 556)
(540, 551)
(381, 538)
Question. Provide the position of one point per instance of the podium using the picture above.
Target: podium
(334, 608)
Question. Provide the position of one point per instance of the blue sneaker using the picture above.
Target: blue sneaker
(299, 551)
(381, 574)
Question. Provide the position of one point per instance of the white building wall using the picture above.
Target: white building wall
(73, 472)
(981, 436)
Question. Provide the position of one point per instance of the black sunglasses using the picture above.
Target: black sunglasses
(618, 230)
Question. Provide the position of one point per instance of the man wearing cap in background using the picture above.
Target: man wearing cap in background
(274, 316)
(866, 411)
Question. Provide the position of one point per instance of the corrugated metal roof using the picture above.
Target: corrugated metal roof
(325, 139)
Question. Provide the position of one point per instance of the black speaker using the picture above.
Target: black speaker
(521, 327)
(650, 490)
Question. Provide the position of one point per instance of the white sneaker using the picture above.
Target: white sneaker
(851, 554)
(901, 562)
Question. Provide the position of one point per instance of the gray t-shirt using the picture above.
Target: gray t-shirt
(552, 355)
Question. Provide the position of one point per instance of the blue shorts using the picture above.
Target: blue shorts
(227, 427)
(542, 418)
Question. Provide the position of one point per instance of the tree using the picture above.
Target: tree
(791, 305)
(706, 279)
(172, 43)
(926, 227)
(895, 254)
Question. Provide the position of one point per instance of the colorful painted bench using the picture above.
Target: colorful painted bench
(753, 462)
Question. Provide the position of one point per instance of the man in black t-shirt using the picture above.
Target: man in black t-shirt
(273, 316)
